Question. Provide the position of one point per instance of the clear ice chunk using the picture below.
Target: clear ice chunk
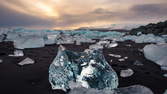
(126, 73)
(89, 69)
(156, 53)
(26, 61)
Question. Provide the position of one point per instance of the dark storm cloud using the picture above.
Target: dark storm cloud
(12, 18)
(153, 10)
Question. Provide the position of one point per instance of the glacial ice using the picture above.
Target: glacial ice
(157, 53)
(26, 61)
(29, 42)
(126, 73)
(90, 70)
(134, 89)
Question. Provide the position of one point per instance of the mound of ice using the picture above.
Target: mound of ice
(156, 53)
(135, 89)
(90, 70)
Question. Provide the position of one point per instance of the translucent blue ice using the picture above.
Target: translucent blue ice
(90, 70)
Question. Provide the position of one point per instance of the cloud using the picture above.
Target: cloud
(12, 18)
(78, 13)
(154, 10)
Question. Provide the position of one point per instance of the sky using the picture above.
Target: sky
(72, 14)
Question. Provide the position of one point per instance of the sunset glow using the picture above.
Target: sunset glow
(83, 13)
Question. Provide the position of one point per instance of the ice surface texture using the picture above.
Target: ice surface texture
(157, 54)
(135, 89)
(90, 70)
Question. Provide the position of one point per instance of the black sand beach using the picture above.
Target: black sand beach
(33, 79)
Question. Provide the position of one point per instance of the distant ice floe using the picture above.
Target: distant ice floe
(157, 53)
(17, 53)
(134, 89)
(24, 38)
(26, 61)
(126, 73)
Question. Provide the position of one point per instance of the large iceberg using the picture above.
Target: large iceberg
(157, 53)
(90, 70)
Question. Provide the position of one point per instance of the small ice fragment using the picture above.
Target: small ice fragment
(114, 55)
(126, 73)
(111, 45)
(122, 59)
(138, 63)
(111, 60)
(17, 53)
(126, 57)
(165, 75)
(1, 60)
(26, 61)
